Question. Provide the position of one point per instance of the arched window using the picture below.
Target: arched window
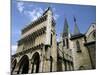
(78, 46)
(51, 40)
(63, 42)
(67, 43)
(51, 59)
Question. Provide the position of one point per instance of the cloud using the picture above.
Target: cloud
(56, 16)
(58, 37)
(34, 14)
(20, 6)
(13, 49)
(54, 9)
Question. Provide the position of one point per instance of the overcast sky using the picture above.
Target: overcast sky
(23, 13)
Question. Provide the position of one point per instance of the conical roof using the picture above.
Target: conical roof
(66, 28)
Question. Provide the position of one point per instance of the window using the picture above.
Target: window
(67, 43)
(51, 59)
(63, 42)
(78, 46)
(51, 40)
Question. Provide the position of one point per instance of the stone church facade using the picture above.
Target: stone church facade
(38, 50)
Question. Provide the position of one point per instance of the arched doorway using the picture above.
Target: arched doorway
(35, 63)
(13, 65)
(24, 65)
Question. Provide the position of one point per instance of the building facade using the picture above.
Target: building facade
(38, 50)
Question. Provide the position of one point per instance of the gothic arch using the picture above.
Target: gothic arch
(23, 65)
(35, 62)
(14, 62)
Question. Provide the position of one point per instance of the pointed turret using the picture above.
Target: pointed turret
(76, 29)
(65, 29)
(76, 33)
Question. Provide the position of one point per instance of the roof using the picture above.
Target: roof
(89, 43)
(76, 36)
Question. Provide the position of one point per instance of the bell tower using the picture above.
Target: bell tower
(65, 54)
(65, 35)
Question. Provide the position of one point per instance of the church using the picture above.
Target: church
(39, 51)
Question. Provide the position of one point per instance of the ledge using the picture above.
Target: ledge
(28, 50)
(90, 43)
(34, 34)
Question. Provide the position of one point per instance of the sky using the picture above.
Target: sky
(23, 13)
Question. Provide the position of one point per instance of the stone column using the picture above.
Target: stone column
(30, 66)
(67, 66)
(34, 70)
(41, 63)
(47, 60)
(63, 66)
(16, 69)
(47, 65)
(71, 66)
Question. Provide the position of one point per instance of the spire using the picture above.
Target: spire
(66, 28)
(76, 29)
